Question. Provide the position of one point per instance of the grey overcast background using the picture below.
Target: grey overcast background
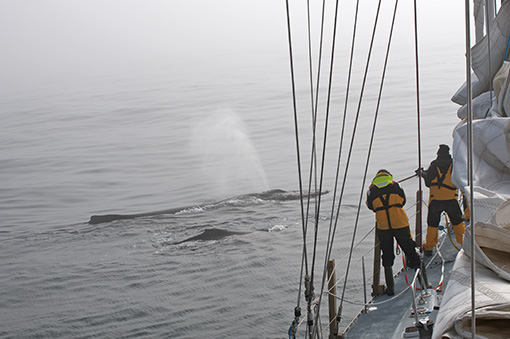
(41, 39)
(75, 38)
(130, 106)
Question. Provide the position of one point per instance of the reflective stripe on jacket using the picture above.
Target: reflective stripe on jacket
(388, 203)
(441, 187)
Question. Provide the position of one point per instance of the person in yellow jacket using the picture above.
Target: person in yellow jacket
(386, 198)
(443, 198)
(465, 207)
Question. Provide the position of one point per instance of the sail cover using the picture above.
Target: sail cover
(492, 303)
(490, 194)
(491, 159)
(484, 71)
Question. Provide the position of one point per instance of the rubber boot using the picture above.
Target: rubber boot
(431, 239)
(459, 232)
(390, 285)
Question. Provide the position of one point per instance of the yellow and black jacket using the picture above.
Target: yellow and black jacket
(388, 203)
(438, 178)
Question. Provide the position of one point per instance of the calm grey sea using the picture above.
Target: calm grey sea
(193, 133)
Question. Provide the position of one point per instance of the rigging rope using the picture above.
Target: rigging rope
(325, 130)
(448, 231)
(313, 153)
(314, 102)
(371, 139)
(346, 102)
(313, 161)
(333, 231)
(488, 34)
(337, 175)
(328, 255)
(304, 261)
(438, 252)
(328, 102)
(470, 160)
(371, 303)
(306, 271)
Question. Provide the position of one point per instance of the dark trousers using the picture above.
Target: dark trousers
(404, 240)
(451, 207)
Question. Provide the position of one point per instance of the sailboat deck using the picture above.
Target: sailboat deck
(391, 315)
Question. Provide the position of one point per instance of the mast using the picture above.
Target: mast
(419, 193)
(470, 163)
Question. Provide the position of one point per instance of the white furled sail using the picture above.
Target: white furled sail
(492, 303)
(491, 196)
(480, 15)
(491, 248)
(502, 90)
(480, 55)
(491, 153)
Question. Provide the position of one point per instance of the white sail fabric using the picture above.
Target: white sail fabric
(482, 105)
(502, 90)
(480, 16)
(491, 159)
(478, 87)
(491, 248)
(484, 70)
(502, 216)
(492, 297)
(492, 103)
(491, 196)
(498, 39)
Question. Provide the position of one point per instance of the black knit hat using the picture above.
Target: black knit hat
(382, 170)
(443, 149)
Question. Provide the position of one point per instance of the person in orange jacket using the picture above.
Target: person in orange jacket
(386, 198)
(443, 198)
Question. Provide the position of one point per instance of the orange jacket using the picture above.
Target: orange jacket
(388, 203)
(441, 186)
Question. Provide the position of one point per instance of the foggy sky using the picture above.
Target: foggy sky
(77, 37)
(42, 36)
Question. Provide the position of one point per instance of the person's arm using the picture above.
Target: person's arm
(400, 192)
(370, 199)
(429, 174)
